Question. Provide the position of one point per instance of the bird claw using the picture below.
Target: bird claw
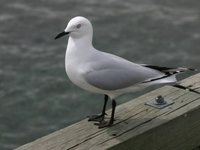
(104, 124)
(98, 118)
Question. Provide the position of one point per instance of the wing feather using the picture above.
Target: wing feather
(113, 73)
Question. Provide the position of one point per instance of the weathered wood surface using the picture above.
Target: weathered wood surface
(192, 83)
(137, 126)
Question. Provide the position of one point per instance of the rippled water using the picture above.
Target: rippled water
(35, 94)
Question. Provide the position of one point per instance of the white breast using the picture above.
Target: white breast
(74, 70)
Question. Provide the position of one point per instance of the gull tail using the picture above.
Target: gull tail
(169, 74)
(177, 70)
(167, 70)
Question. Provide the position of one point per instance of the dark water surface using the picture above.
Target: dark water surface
(37, 98)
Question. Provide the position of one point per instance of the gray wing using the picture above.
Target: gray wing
(110, 72)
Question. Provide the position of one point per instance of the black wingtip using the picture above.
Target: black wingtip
(192, 69)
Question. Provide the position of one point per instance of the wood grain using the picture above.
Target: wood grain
(137, 126)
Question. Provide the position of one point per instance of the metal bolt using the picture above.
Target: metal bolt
(160, 100)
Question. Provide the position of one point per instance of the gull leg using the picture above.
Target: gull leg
(104, 123)
(102, 115)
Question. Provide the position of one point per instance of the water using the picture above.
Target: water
(35, 94)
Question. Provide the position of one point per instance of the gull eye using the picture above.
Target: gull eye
(78, 26)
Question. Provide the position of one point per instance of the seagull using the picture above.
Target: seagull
(104, 73)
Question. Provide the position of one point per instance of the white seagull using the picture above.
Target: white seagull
(104, 73)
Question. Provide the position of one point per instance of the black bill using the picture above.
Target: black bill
(61, 35)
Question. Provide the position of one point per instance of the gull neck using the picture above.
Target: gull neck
(80, 43)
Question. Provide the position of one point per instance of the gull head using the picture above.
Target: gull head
(78, 27)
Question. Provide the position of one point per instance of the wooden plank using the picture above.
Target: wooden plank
(85, 130)
(137, 126)
(181, 133)
(153, 140)
(192, 82)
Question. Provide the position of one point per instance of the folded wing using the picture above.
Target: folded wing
(113, 73)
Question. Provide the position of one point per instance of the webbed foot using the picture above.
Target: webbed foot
(98, 118)
(104, 124)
